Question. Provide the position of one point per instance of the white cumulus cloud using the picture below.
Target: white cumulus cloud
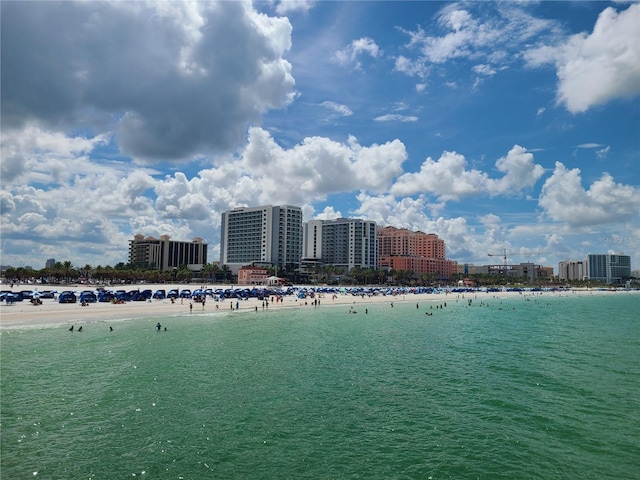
(350, 54)
(152, 72)
(564, 199)
(449, 178)
(596, 68)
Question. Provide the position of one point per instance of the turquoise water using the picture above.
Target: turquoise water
(538, 387)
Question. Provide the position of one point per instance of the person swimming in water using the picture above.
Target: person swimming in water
(158, 326)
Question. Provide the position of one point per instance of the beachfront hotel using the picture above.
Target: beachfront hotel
(345, 243)
(266, 235)
(422, 253)
(572, 270)
(609, 268)
(164, 254)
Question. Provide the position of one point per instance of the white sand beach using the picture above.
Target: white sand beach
(51, 312)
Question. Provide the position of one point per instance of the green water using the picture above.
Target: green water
(538, 387)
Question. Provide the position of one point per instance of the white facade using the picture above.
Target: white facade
(572, 270)
(343, 242)
(267, 235)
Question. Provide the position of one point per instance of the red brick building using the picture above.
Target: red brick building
(422, 253)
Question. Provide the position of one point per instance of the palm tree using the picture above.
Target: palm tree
(226, 271)
(356, 274)
(10, 274)
(369, 275)
(184, 275)
(86, 271)
(207, 270)
(67, 267)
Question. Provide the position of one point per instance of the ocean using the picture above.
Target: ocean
(533, 387)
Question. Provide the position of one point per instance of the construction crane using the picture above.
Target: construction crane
(506, 254)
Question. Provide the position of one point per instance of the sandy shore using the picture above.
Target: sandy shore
(51, 312)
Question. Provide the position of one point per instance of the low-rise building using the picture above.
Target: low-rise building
(250, 275)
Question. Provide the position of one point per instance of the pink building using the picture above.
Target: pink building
(422, 253)
(252, 276)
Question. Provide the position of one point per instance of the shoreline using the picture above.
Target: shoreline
(50, 312)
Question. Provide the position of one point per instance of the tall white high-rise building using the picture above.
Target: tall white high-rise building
(267, 235)
(572, 270)
(343, 242)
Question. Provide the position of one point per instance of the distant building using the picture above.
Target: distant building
(164, 254)
(609, 268)
(50, 263)
(422, 253)
(345, 243)
(545, 272)
(465, 268)
(572, 270)
(266, 235)
(529, 270)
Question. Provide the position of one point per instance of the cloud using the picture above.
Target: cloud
(590, 145)
(349, 55)
(396, 118)
(603, 152)
(464, 32)
(564, 199)
(411, 67)
(385, 210)
(596, 68)
(342, 110)
(446, 177)
(449, 179)
(520, 172)
(318, 167)
(288, 6)
(329, 213)
(484, 69)
(32, 154)
(151, 72)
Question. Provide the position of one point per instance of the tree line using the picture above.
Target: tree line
(66, 272)
(121, 273)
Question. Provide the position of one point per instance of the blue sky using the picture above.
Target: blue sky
(496, 125)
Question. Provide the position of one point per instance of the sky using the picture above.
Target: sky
(499, 126)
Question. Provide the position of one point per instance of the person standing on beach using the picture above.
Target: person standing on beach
(190, 307)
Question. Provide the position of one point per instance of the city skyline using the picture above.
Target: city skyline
(497, 126)
(440, 252)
